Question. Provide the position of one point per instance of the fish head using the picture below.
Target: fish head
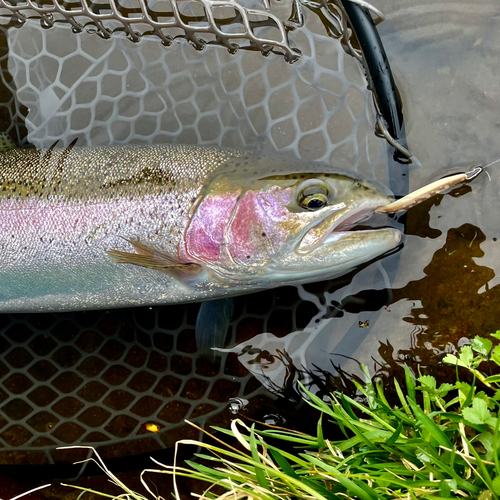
(286, 222)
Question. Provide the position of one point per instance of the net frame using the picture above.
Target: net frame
(141, 20)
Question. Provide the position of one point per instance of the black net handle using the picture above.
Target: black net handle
(382, 84)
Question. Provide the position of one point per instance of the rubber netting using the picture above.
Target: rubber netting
(97, 378)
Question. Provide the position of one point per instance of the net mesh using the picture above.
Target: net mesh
(93, 378)
(112, 91)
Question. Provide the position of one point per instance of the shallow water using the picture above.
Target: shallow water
(439, 291)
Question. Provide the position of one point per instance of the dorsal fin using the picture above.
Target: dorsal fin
(6, 143)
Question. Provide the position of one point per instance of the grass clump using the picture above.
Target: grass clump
(437, 442)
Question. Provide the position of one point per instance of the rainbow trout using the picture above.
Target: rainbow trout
(92, 228)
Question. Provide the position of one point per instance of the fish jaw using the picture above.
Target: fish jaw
(337, 254)
(342, 217)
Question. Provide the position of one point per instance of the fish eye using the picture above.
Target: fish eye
(314, 202)
(313, 194)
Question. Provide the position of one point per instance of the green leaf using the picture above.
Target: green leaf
(482, 395)
(427, 381)
(450, 359)
(496, 485)
(479, 413)
(444, 389)
(465, 393)
(496, 334)
(496, 355)
(466, 356)
(486, 439)
(493, 378)
(481, 345)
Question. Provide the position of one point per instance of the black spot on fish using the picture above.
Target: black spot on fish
(263, 235)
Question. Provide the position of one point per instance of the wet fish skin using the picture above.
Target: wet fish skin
(63, 210)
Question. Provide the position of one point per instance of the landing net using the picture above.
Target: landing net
(89, 378)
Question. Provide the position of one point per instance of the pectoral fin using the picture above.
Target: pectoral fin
(212, 325)
(146, 256)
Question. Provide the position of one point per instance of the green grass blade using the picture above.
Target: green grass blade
(283, 463)
(347, 407)
(410, 384)
(363, 493)
(429, 424)
(395, 435)
(485, 475)
(261, 477)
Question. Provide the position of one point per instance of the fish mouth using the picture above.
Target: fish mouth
(339, 225)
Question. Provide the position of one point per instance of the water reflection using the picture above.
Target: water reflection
(450, 304)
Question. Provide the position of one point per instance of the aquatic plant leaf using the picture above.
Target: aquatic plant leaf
(347, 407)
(479, 413)
(481, 345)
(453, 485)
(429, 386)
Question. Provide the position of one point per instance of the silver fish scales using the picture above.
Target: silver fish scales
(90, 228)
